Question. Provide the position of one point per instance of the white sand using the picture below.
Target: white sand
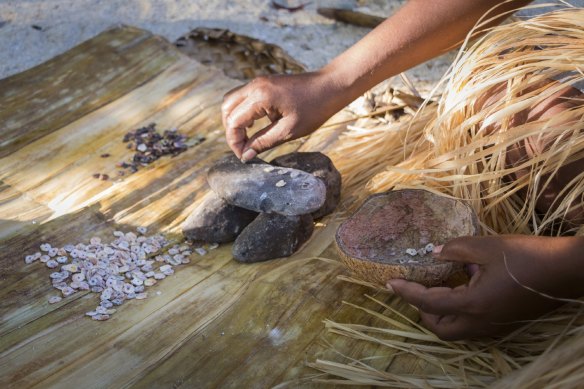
(307, 36)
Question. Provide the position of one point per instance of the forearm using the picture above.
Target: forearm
(563, 260)
(419, 31)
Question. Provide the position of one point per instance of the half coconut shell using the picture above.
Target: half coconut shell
(373, 241)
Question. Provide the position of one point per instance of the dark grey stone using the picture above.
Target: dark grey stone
(214, 220)
(272, 236)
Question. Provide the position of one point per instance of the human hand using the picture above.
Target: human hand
(296, 106)
(493, 302)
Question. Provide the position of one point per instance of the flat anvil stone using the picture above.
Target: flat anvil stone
(216, 221)
(320, 166)
(272, 236)
(267, 189)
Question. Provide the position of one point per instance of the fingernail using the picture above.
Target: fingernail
(248, 155)
(437, 249)
(391, 284)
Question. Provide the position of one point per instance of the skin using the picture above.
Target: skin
(492, 302)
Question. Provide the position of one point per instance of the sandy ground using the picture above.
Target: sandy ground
(307, 36)
(33, 31)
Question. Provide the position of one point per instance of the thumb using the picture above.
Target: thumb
(271, 136)
(466, 249)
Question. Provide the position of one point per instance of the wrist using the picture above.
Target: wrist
(336, 89)
(340, 85)
(565, 261)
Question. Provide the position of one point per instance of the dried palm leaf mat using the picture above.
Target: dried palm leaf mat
(239, 56)
(446, 148)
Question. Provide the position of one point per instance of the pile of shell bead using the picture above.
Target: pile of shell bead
(119, 270)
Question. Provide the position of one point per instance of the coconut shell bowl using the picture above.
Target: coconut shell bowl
(392, 235)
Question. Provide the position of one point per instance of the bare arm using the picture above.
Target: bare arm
(298, 105)
(419, 31)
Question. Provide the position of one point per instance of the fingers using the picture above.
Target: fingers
(230, 101)
(437, 301)
(449, 328)
(237, 122)
(465, 249)
(270, 136)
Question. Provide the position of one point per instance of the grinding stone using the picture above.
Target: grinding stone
(263, 188)
(320, 166)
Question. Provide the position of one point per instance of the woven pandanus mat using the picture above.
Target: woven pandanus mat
(239, 56)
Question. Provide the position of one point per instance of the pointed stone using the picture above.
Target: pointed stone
(214, 220)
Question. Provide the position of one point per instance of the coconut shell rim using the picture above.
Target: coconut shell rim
(341, 248)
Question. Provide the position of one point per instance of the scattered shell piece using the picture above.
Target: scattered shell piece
(213, 246)
(281, 183)
(72, 267)
(176, 260)
(45, 247)
(100, 317)
(30, 259)
(412, 252)
(55, 299)
(149, 282)
(269, 169)
(68, 291)
(201, 251)
(429, 248)
(142, 230)
(101, 310)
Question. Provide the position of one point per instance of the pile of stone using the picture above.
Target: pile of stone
(268, 209)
